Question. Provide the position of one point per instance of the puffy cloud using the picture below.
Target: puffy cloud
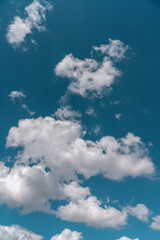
(16, 232)
(90, 212)
(156, 223)
(16, 94)
(89, 75)
(67, 234)
(59, 145)
(35, 17)
(28, 188)
(115, 49)
(140, 211)
(126, 238)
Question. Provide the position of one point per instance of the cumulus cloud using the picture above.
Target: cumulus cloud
(16, 232)
(67, 234)
(140, 211)
(156, 223)
(89, 211)
(59, 145)
(89, 75)
(126, 238)
(115, 49)
(34, 18)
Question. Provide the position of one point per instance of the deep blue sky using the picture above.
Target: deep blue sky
(74, 27)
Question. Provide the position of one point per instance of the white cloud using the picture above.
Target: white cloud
(20, 27)
(28, 188)
(118, 116)
(66, 113)
(87, 75)
(59, 145)
(90, 212)
(90, 76)
(115, 49)
(17, 233)
(156, 223)
(126, 238)
(67, 234)
(16, 94)
(140, 211)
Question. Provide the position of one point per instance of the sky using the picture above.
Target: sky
(79, 100)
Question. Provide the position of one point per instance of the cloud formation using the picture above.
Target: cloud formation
(89, 75)
(155, 223)
(15, 232)
(67, 234)
(34, 18)
(16, 95)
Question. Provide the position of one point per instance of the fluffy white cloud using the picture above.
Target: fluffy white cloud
(140, 211)
(35, 17)
(67, 234)
(16, 94)
(126, 238)
(59, 145)
(90, 212)
(28, 188)
(115, 49)
(156, 223)
(89, 75)
(17, 233)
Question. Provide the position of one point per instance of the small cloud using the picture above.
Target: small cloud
(91, 111)
(118, 116)
(16, 95)
(20, 96)
(115, 102)
(97, 129)
(115, 49)
(66, 113)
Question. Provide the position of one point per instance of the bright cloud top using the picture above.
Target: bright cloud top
(35, 17)
(89, 75)
(17, 233)
(67, 234)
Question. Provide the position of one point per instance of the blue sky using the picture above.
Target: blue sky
(79, 152)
